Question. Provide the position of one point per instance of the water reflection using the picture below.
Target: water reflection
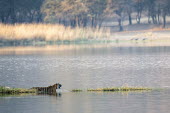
(55, 95)
(17, 95)
(74, 49)
(131, 102)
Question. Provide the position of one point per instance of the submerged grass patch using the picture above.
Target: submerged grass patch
(5, 90)
(114, 89)
(120, 89)
(77, 90)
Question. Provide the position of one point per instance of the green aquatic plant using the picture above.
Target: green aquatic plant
(7, 90)
(120, 89)
(77, 90)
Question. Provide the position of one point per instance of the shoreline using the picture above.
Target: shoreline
(40, 35)
(155, 37)
(53, 50)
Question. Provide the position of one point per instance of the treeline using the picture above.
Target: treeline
(94, 12)
(19, 11)
(83, 13)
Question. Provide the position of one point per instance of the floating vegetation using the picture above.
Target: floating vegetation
(114, 89)
(120, 89)
(7, 90)
(77, 90)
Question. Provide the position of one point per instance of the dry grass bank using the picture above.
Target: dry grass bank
(49, 32)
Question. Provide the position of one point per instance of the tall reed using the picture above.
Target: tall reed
(49, 32)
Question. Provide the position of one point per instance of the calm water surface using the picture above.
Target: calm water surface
(89, 68)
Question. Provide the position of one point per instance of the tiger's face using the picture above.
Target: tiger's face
(58, 85)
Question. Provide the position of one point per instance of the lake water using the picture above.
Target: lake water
(88, 68)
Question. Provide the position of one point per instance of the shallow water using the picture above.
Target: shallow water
(89, 68)
(132, 102)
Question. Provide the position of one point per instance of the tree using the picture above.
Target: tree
(16, 11)
(151, 7)
(165, 10)
(4, 10)
(97, 12)
(75, 12)
(118, 8)
(139, 6)
(128, 7)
